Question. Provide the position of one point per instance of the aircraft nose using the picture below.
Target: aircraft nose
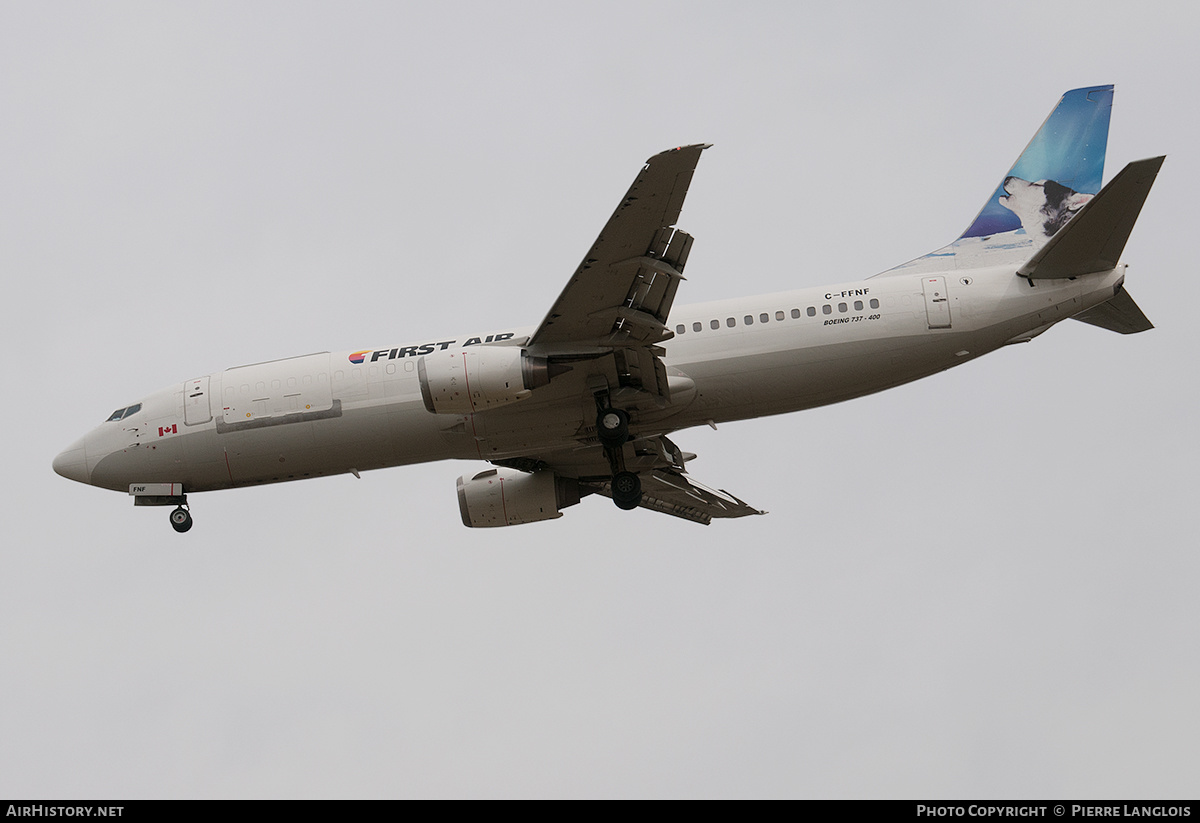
(71, 463)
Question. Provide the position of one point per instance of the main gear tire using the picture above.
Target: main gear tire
(627, 490)
(612, 427)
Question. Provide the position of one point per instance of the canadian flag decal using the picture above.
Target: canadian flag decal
(172, 429)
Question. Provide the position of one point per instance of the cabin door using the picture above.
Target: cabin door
(937, 303)
(195, 401)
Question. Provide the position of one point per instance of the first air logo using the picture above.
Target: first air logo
(359, 357)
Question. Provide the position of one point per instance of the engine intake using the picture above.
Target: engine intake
(480, 378)
(507, 497)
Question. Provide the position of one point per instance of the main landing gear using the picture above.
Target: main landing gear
(612, 428)
(181, 519)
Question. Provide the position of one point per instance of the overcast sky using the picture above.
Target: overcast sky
(982, 584)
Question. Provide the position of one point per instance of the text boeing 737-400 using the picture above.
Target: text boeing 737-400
(587, 401)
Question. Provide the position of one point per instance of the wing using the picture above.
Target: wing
(619, 297)
(617, 303)
(660, 464)
(671, 492)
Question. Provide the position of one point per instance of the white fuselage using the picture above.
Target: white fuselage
(735, 359)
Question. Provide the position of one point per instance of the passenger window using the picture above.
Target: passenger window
(730, 322)
(842, 307)
(858, 305)
(812, 311)
(795, 314)
(827, 309)
(680, 329)
(779, 314)
(764, 317)
(874, 303)
(716, 324)
(697, 326)
(749, 318)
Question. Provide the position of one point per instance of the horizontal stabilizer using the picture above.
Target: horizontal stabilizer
(1119, 314)
(1094, 239)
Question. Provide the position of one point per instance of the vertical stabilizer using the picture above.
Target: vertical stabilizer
(1059, 172)
(1065, 159)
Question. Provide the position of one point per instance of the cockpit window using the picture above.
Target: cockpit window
(120, 414)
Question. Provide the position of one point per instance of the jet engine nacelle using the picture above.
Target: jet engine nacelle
(507, 497)
(479, 378)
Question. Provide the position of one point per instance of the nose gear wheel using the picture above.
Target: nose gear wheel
(181, 519)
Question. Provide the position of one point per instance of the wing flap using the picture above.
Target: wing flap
(658, 462)
(670, 492)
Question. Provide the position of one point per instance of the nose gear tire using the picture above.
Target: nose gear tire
(181, 520)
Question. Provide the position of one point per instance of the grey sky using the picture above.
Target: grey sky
(980, 584)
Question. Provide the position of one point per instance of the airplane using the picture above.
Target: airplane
(587, 401)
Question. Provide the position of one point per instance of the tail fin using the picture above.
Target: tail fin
(1068, 151)
(1059, 172)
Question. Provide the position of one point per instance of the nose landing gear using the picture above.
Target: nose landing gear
(164, 494)
(181, 519)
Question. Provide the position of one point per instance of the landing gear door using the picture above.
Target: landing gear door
(937, 303)
(195, 402)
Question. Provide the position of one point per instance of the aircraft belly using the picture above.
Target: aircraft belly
(738, 388)
(204, 459)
